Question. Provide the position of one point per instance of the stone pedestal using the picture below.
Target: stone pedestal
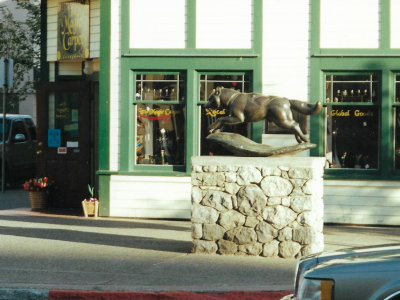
(268, 206)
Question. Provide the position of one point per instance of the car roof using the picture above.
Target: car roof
(15, 116)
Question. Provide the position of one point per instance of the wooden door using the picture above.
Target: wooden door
(64, 140)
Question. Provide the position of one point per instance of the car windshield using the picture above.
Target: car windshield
(1, 128)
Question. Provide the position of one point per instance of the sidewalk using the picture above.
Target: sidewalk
(48, 253)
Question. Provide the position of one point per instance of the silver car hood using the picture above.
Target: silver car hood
(316, 265)
(350, 257)
(380, 250)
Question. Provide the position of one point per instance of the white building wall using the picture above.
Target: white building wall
(286, 56)
(224, 24)
(347, 24)
(362, 202)
(150, 196)
(115, 81)
(52, 30)
(157, 24)
(219, 24)
(94, 29)
(394, 24)
(286, 48)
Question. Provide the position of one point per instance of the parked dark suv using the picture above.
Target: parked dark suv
(20, 147)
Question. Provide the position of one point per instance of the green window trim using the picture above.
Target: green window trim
(192, 69)
(189, 60)
(199, 102)
(387, 69)
(190, 49)
(104, 86)
(104, 108)
(383, 60)
(384, 36)
(193, 62)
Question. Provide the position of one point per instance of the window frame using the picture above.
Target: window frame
(384, 60)
(332, 104)
(189, 60)
(164, 65)
(383, 49)
(190, 47)
(387, 68)
(149, 167)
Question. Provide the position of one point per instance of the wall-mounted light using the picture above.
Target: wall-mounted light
(88, 67)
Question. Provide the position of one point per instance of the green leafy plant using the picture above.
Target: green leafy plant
(91, 192)
(21, 42)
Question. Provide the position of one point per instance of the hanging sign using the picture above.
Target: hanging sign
(73, 31)
(6, 72)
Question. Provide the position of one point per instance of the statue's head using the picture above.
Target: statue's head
(214, 100)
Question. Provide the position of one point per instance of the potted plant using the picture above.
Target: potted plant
(39, 191)
(91, 206)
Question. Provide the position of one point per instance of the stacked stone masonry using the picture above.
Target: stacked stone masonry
(271, 207)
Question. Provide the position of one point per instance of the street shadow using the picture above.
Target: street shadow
(94, 238)
(99, 223)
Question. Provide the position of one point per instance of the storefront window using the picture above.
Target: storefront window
(352, 118)
(160, 115)
(208, 82)
(350, 88)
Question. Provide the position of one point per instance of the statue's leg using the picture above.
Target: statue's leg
(284, 119)
(294, 127)
(214, 126)
(300, 137)
(229, 120)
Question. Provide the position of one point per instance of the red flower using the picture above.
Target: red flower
(38, 184)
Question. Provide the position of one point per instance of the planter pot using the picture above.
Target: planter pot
(90, 208)
(38, 200)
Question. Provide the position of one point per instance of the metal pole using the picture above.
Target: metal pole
(3, 159)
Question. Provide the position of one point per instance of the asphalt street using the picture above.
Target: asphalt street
(60, 250)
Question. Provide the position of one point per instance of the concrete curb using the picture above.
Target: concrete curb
(42, 294)
(26, 294)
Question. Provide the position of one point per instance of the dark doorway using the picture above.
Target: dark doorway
(65, 124)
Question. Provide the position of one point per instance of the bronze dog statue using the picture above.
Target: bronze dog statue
(253, 107)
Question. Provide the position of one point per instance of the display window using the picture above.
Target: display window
(160, 119)
(208, 82)
(352, 121)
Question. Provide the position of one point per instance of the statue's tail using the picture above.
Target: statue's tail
(306, 108)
